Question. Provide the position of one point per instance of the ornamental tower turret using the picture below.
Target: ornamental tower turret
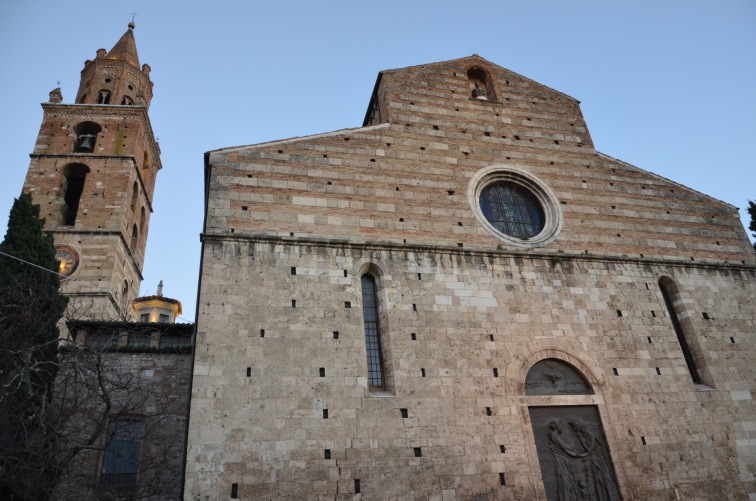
(93, 173)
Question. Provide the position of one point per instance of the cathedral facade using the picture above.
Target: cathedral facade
(463, 299)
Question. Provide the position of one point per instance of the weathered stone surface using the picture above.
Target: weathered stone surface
(301, 220)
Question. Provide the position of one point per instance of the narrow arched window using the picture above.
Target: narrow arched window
(103, 97)
(124, 297)
(74, 176)
(126, 101)
(134, 236)
(141, 221)
(671, 297)
(372, 333)
(134, 194)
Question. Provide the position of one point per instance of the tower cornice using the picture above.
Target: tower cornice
(108, 111)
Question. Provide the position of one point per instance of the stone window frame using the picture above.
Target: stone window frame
(372, 329)
(552, 211)
(122, 481)
(689, 343)
(382, 282)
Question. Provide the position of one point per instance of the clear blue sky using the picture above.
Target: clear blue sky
(669, 86)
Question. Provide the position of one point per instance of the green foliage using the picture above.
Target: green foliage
(30, 308)
(752, 226)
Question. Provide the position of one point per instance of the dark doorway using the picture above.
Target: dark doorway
(573, 454)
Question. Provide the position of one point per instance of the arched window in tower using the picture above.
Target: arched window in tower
(481, 86)
(145, 161)
(372, 333)
(126, 101)
(134, 237)
(134, 195)
(141, 221)
(675, 308)
(74, 176)
(86, 136)
(83, 99)
(103, 97)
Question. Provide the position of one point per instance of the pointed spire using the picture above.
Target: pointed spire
(125, 48)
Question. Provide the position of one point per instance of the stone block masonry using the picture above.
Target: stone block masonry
(635, 282)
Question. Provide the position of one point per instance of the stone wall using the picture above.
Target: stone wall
(452, 317)
(464, 311)
(152, 388)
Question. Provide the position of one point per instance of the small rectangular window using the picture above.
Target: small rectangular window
(120, 464)
(144, 318)
(163, 319)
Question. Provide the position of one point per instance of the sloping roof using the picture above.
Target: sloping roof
(125, 49)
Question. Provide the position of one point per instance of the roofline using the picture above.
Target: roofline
(489, 62)
(609, 157)
(295, 139)
(373, 98)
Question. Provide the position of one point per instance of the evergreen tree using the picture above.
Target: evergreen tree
(30, 308)
(752, 226)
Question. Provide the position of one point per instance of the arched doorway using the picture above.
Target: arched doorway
(572, 449)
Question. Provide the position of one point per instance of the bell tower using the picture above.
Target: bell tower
(93, 173)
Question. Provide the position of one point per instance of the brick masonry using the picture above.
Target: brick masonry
(125, 155)
(396, 199)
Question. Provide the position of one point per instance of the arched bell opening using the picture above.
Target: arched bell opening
(74, 176)
(86, 136)
(103, 97)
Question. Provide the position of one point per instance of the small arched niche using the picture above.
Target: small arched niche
(481, 86)
(556, 377)
(86, 136)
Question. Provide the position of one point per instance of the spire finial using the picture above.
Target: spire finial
(131, 24)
